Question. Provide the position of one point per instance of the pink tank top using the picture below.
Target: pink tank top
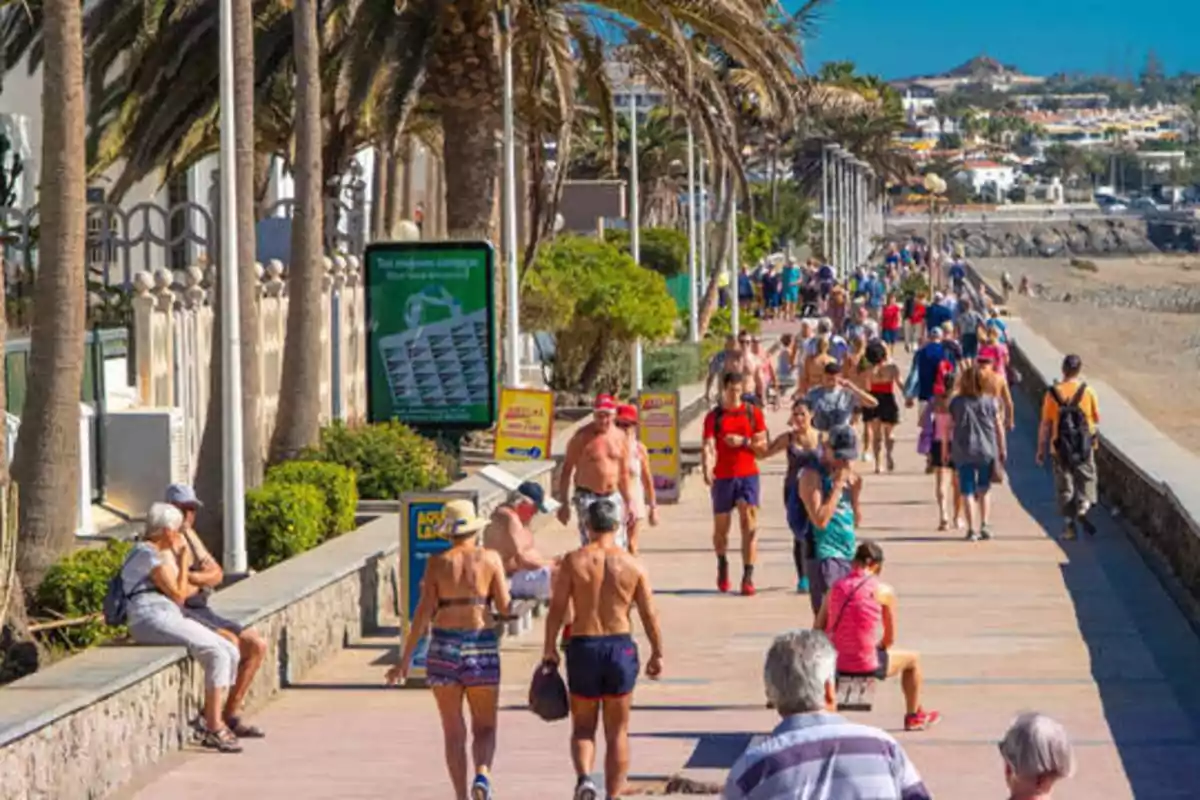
(853, 622)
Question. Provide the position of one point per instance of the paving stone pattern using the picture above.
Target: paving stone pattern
(1081, 631)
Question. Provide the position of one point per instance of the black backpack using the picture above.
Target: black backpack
(1073, 442)
(719, 414)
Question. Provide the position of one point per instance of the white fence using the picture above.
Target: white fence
(174, 341)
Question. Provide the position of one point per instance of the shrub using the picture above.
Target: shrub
(335, 481)
(668, 368)
(664, 250)
(75, 587)
(721, 324)
(388, 458)
(283, 520)
(596, 301)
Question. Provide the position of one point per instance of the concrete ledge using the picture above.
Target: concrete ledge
(1145, 476)
(90, 723)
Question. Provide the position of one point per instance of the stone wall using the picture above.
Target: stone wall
(91, 723)
(1050, 238)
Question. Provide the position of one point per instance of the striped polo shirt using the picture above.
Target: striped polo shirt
(822, 756)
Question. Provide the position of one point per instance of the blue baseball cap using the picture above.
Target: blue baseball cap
(533, 492)
(182, 494)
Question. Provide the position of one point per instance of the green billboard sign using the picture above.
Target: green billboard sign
(431, 341)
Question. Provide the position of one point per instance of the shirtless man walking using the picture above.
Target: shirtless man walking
(603, 583)
(598, 461)
(529, 573)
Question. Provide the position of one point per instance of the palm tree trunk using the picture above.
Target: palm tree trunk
(47, 456)
(251, 178)
(298, 423)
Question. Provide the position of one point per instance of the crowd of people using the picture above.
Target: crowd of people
(839, 369)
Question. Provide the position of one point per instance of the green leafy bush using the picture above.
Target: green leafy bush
(673, 366)
(335, 481)
(596, 301)
(283, 520)
(388, 458)
(75, 587)
(664, 250)
(755, 240)
(721, 324)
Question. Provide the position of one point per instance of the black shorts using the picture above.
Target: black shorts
(935, 457)
(602, 666)
(887, 412)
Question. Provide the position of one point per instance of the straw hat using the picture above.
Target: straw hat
(460, 519)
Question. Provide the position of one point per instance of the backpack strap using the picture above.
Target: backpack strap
(846, 602)
(1078, 398)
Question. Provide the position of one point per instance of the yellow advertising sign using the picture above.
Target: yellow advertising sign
(658, 430)
(526, 425)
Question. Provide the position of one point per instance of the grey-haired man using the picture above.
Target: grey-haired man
(530, 574)
(206, 574)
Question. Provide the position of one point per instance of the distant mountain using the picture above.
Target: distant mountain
(979, 68)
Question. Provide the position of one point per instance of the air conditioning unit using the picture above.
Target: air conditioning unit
(145, 450)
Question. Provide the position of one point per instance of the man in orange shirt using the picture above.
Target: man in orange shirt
(1069, 430)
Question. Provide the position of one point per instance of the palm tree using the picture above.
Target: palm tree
(47, 464)
(298, 422)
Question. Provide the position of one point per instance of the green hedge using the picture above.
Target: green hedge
(388, 458)
(75, 587)
(283, 520)
(671, 367)
(336, 483)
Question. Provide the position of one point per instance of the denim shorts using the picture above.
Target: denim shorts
(726, 493)
(974, 478)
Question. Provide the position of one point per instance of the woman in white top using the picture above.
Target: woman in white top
(156, 586)
(641, 480)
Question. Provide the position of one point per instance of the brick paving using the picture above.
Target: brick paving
(1081, 631)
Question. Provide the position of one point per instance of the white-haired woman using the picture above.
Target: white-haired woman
(1037, 754)
(156, 585)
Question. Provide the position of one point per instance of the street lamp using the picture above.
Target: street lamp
(936, 186)
(513, 355)
(232, 446)
(635, 218)
(693, 282)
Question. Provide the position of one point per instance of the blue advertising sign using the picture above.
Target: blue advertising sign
(421, 516)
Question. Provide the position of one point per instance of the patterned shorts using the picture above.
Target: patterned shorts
(463, 658)
(583, 500)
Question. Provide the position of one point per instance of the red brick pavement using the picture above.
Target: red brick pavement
(1082, 633)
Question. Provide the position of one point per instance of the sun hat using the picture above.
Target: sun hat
(460, 519)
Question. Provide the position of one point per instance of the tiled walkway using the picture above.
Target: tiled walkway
(1082, 632)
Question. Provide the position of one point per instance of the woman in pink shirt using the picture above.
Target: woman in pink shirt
(996, 350)
(852, 614)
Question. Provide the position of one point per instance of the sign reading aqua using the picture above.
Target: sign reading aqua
(431, 337)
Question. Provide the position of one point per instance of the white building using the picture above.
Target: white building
(989, 175)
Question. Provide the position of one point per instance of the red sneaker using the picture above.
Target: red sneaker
(747, 588)
(922, 720)
(722, 577)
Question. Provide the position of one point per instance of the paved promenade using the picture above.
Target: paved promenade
(1080, 631)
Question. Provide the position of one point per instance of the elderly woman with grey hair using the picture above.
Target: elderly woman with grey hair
(156, 586)
(805, 756)
(1037, 754)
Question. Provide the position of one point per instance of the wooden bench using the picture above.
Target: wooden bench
(856, 692)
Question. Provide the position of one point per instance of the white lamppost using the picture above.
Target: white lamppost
(635, 221)
(702, 229)
(694, 282)
(513, 345)
(735, 259)
(234, 488)
(825, 157)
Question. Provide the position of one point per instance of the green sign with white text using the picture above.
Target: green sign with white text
(431, 347)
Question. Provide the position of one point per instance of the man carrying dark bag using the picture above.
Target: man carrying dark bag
(1070, 432)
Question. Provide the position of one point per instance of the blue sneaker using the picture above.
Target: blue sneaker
(802, 586)
(481, 789)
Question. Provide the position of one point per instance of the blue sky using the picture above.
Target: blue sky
(901, 38)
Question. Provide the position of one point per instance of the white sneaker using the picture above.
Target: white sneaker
(586, 789)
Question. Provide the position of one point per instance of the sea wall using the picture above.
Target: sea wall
(1048, 238)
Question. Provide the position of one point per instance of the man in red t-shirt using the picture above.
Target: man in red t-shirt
(735, 437)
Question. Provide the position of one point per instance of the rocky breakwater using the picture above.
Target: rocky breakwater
(1049, 238)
